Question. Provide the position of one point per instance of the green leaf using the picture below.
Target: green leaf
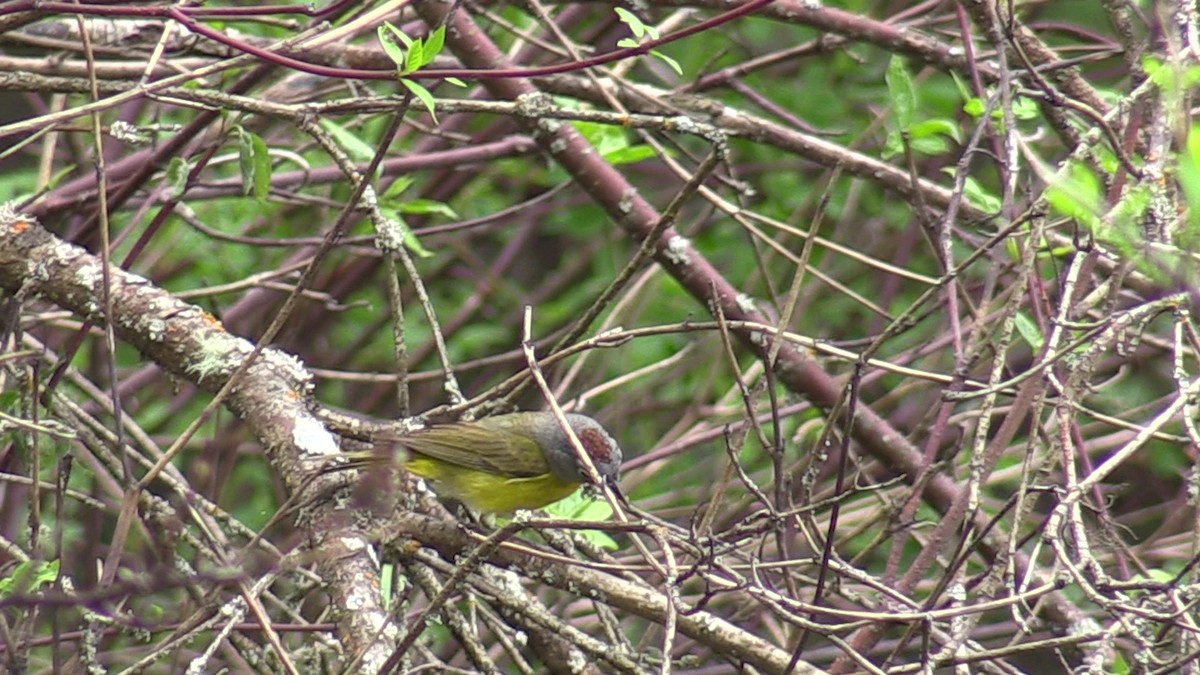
(423, 94)
(399, 34)
(630, 155)
(925, 138)
(976, 194)
(627, 43)
(894, 145)
(1025, 108)
(386, 34)
(262, 168)
(1189, 181)
(930, 145)
(1030, 331)
(974, 107)
(9, 401)
(426, 207)
(632, 20)
(415, 58)
(254, 159)
(407, 236)
(1155, 576)
(902, 92)
(964, 92)
(29, 576)
(246, 159)
(456, 82)
(434, 44)
(350, 141)
(980, 197)
(935, 127)
(177, 174)
(1152, 66)
(605, 137)
(1078, 195)
(393, 205)
(1170, 78)
(579, 507)
(669, 61)
(398, 186)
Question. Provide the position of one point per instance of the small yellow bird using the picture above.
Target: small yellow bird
(503, 463)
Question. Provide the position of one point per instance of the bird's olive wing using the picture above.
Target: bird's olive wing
(477, 446)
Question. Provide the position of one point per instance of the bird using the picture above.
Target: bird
(503, 463)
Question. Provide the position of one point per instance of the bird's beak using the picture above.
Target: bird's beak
(611, 483)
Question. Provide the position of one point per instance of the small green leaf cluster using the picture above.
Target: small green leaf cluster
(413, 56)
(640, 31)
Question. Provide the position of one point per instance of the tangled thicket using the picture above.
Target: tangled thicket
(890, 306)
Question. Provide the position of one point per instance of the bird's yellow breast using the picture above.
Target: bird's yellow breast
(488, 492)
